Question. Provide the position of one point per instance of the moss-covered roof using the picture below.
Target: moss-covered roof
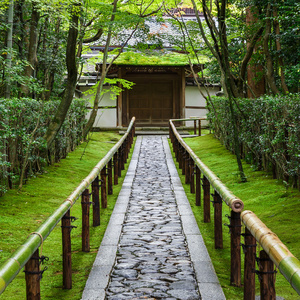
(157, 58)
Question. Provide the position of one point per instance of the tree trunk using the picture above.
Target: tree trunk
(32, 48)
(269, 62)
(278, 48)
(9, 44)
(256, 86)
(65, 103)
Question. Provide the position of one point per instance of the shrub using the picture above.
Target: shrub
(23, 123)
(269, 132)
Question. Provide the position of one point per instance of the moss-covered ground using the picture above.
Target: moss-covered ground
(276, 206)
(22, 212)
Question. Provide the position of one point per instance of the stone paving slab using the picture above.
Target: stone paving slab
(158, 252)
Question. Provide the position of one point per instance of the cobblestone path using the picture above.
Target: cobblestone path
(153, 260)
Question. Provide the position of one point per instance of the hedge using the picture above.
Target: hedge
(269, 132)
(23, 123)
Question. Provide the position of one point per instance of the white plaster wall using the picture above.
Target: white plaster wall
(194, 98)
(106, 117)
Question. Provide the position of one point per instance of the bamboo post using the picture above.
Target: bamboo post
(249, 265)
(116, 176)
(109, 178)
(206, 199)
(96, 202)
(267, 278)
(32, 277)
(85, 204)
(120, 162)
(103, 188)
(218, 221)
(67, 254)
(192, 176)
(235, 229)
(198, 186)
(195, 127)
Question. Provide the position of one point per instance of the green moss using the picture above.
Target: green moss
(156, 58)
(277, 207)
(23, 211)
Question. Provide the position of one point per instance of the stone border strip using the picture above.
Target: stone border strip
(105, 259)
(208, 283)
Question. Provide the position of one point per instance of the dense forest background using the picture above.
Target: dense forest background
(252, 47)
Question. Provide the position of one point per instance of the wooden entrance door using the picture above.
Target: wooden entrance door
(151, 102)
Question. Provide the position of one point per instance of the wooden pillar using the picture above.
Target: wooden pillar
(32, 277)
(267, 278)
(235, 229)
(218, 221)
(116, 176)
(67, 254)
(195, 127)
(249, 265)
(198, 186)
(96, 202)
(206, 199)
(109, 178)
(103, 188)
(85, 205)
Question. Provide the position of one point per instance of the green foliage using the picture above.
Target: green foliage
(116, 86)
(269, 132)
(18, 120)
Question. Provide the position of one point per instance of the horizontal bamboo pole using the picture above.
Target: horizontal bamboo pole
(10, 269)
(228, 197)
(286, 262)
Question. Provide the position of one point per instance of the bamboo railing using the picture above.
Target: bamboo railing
(27, 254)
(274, 251)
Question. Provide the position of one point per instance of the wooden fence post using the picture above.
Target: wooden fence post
(183, 161)
(195, 127)
(199, 127)
(206, 199)
(103, 188)
(249, 265)
(218, 221)
(109, 178)
(180, 155)
(120, 162)
(116, 176)
(187, 168)
(85, 204)
(122, 156)
(235, 229)
(67, 253)
(96, 202)
(32, 277)
(198, 186)
(192, 176)
(267, 278)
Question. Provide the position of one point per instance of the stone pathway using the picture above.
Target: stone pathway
(152, 259)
